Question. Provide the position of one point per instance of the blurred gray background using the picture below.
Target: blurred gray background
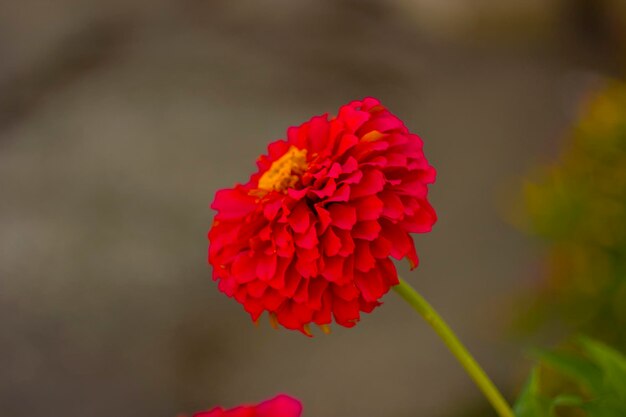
(120, 119)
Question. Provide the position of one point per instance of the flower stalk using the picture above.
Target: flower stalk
(419, 304)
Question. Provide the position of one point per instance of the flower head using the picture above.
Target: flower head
(309, 237)
(280, 406)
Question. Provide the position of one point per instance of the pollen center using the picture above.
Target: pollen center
(285, 171)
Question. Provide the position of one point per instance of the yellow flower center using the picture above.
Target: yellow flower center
(285, 171)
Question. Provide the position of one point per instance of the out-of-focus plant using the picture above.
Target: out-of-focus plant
(596, 375)
(577, 206)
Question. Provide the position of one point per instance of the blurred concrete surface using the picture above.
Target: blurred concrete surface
(119, 120)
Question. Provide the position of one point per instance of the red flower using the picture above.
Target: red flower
(310, 235)
(280, 406)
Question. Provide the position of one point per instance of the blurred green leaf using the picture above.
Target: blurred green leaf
(530, 402)
(613, 366)
(598, 370)
(565, 401)
(576, 206)
(573, 366)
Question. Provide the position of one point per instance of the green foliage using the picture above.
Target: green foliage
(577, 207)
(531, 402)
(597, 373)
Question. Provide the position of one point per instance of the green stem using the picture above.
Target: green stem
(474, 370)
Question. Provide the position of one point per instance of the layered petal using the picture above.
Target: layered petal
(309, 237)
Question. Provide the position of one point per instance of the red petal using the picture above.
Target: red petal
(378, 161)
(228, 286)
(388, 271)
(281, 406)
(371, 284)
(341, 194)
(271, 209)
(272, 300)
(233, 203)
(365, 150)
(256, 288)
(318, 133)
(392, 205)
(299, 218)
(383, 123)
(215, 412)
(353, 178)
(331, 244)
(396, 160)
(422, 221)
(367, 307)
(266, 266)
(368, 208)
(292, 280)
(399, 239)
(324, 218)
(347, 243)
(353, 118)
(350, 165)
(348, 271)
(302, 293)
(277, 149)
(381, 247)
(328, 190)
(244, 267)
(297, 194)
(306, 261)
(346, 142)
(335, 170)
(342, 215)
(307, 240)
(346, 292)
(363, 259)
(317, 287)
(333, 268)
(284, 242)
(373, 181)
(254, 307)
(372, 105)
(323, 315)
(297, 135)
(412, 255)
(346, 312)
(412, 185)
(367, 230)
(288, 317)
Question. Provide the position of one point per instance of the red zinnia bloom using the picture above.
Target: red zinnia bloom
(280, 406)
(310, 235)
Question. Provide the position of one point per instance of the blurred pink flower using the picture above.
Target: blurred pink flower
(279, 406)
